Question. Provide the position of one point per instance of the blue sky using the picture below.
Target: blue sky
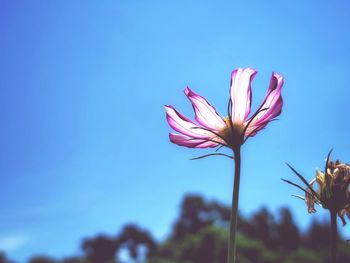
(83, 137)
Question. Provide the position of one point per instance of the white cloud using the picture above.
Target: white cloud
(13, 242)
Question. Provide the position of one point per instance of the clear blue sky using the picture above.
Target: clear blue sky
(83, 137)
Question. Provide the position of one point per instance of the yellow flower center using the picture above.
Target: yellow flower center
(232, 133)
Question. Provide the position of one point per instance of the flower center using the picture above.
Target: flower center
(232, 133)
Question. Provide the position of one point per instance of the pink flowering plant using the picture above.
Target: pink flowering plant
(212, 130)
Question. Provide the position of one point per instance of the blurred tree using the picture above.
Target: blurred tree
(196, 214)
(207, 246)
(262, 226)
(193, 217)
(253, 250)
(212, 245)
(287, 233)
(304, 256)
(75, 260)
(42, 259)
(317, 237)
(200, 235)
(132, 238)
(3, 258)
(343, 252)
(101, 249)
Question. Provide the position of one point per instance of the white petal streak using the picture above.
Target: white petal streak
(183, 140)
(185, 126)
(206, 114)
(240, 92)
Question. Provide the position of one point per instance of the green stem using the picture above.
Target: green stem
(235, 196)
(334, 236)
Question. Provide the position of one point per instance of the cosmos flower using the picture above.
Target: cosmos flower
(212, 130)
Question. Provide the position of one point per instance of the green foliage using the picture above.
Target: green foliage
(42, 259)
(132, 238)
(198, 238)
(305, 256)
(161, 260)
(196, 214)
(75, 260)
(200, 235)
(251, 250)
(207, 246)
(101, 249)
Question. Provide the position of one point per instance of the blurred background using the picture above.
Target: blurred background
(86, 168)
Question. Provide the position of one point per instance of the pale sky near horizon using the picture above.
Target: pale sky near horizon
(83, 134)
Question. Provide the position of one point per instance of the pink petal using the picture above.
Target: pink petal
(272, 103)
(186, 141)
(183, 125)
(206, 114)
(241, 94)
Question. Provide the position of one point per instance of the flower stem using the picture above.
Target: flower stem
(235, 196)
(334, 236)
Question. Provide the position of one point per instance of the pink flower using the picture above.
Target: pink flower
(213, 130)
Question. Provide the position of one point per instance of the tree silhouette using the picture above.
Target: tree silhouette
(196, 214)
(192, 218)
(317, 235)
(132, 238)
(75, 260)
(262, 227)
(3, 258)
(200, 235)
(101, 249)
(288, 236)
(42, 259)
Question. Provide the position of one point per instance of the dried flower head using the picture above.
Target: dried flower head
(329, 188)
